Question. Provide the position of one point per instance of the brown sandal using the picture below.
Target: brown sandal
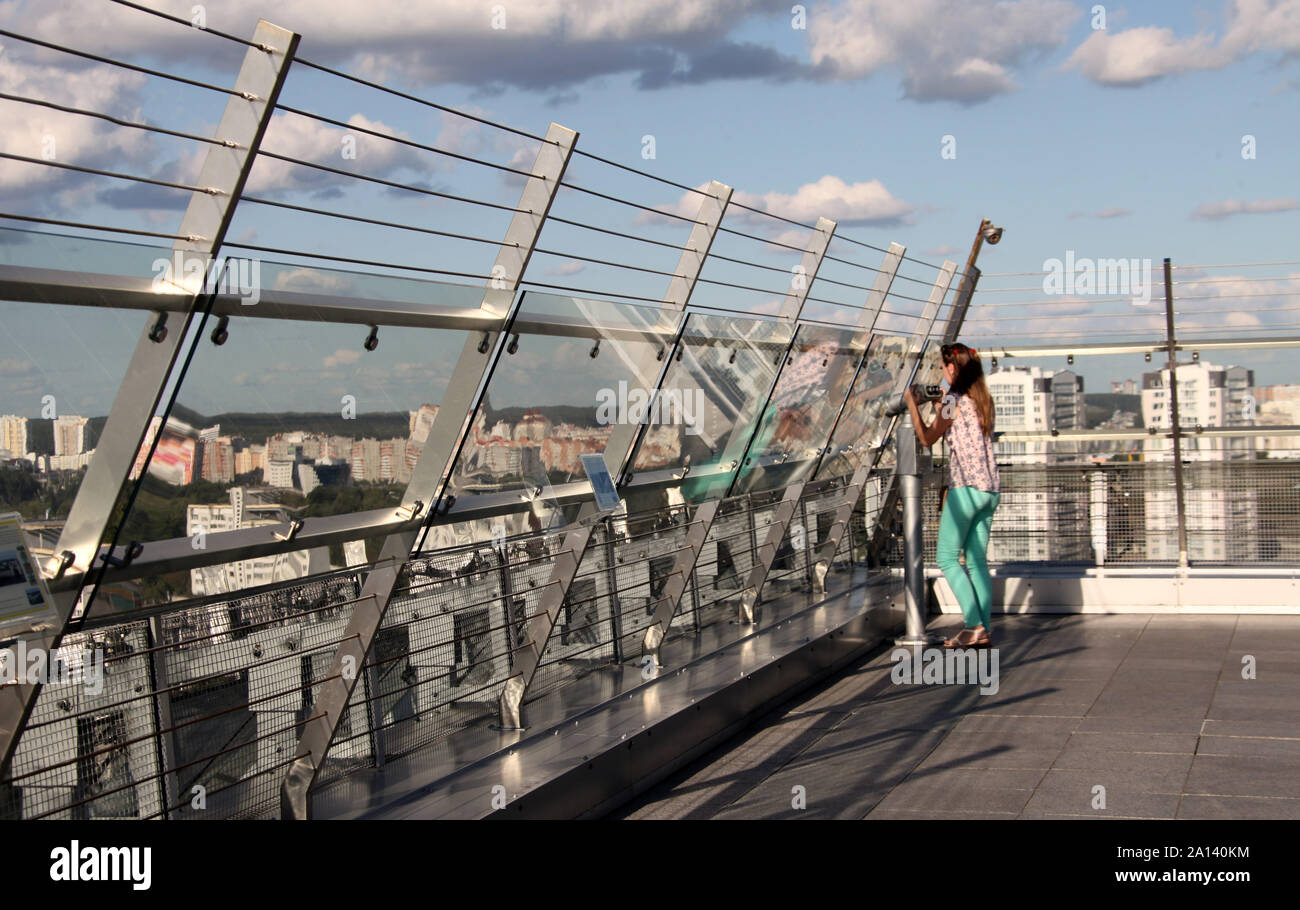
(969, 638)
(966, 638)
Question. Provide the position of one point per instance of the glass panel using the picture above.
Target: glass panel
(864, 426)
(579, 368)
(721, 379)
(797, 421)
(44, 250)
(288, 419)
(288, 277)
(60, 367)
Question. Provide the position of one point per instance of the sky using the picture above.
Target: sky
(1136, 131)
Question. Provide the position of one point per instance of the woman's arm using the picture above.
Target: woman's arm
(929, 435)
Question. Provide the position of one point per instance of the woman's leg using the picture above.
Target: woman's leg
(976, 544)
(954, 526)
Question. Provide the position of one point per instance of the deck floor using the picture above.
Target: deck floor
(1152, 708)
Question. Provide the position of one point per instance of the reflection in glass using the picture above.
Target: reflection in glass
(797, 421)
(722, 378)
(863, 425)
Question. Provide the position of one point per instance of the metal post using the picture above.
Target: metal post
(611, 579)
(791, 309)
(1179, 490)
(433, 468)
(162, 717)
(880, 287)
(675, 586)
(844, 511)
(961, 304)
(912, 464)
(619, 451)
(622, 443)
(542, 625)
(374, 714)
(223, 175)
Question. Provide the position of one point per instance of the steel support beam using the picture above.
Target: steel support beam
(767, 552)
(621, 446)
(428, 479)
(683, 567)
(880, 287)
(542, 625)
(619, 451)
(223, 175)
(844, 511)
(791, 309)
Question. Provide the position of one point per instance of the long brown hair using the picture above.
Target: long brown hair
(970, 381)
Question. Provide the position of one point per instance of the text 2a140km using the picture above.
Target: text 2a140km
(1171, 852)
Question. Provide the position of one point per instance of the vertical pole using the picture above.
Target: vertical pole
(162, 718)
(223, 175)
(1179, 490)
(431, 472)
(611, 579)
(375, 714)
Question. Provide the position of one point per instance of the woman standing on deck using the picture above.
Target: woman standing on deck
(965, 421)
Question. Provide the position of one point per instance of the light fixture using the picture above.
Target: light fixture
(1069, 359)
(513, 346)
(372, 340)
(595, 350)
(1148, 356)
(991, 234)
(1196, 355)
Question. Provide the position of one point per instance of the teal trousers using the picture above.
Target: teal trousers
(967, 517)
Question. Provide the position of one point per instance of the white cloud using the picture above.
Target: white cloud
(433, 41)
(341, 357)
(1216, 211)
(950, 52)
(1113, 212)
(831, 197)
(570, 267)
(36, 132)
(321, 143)
(1140, 55)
